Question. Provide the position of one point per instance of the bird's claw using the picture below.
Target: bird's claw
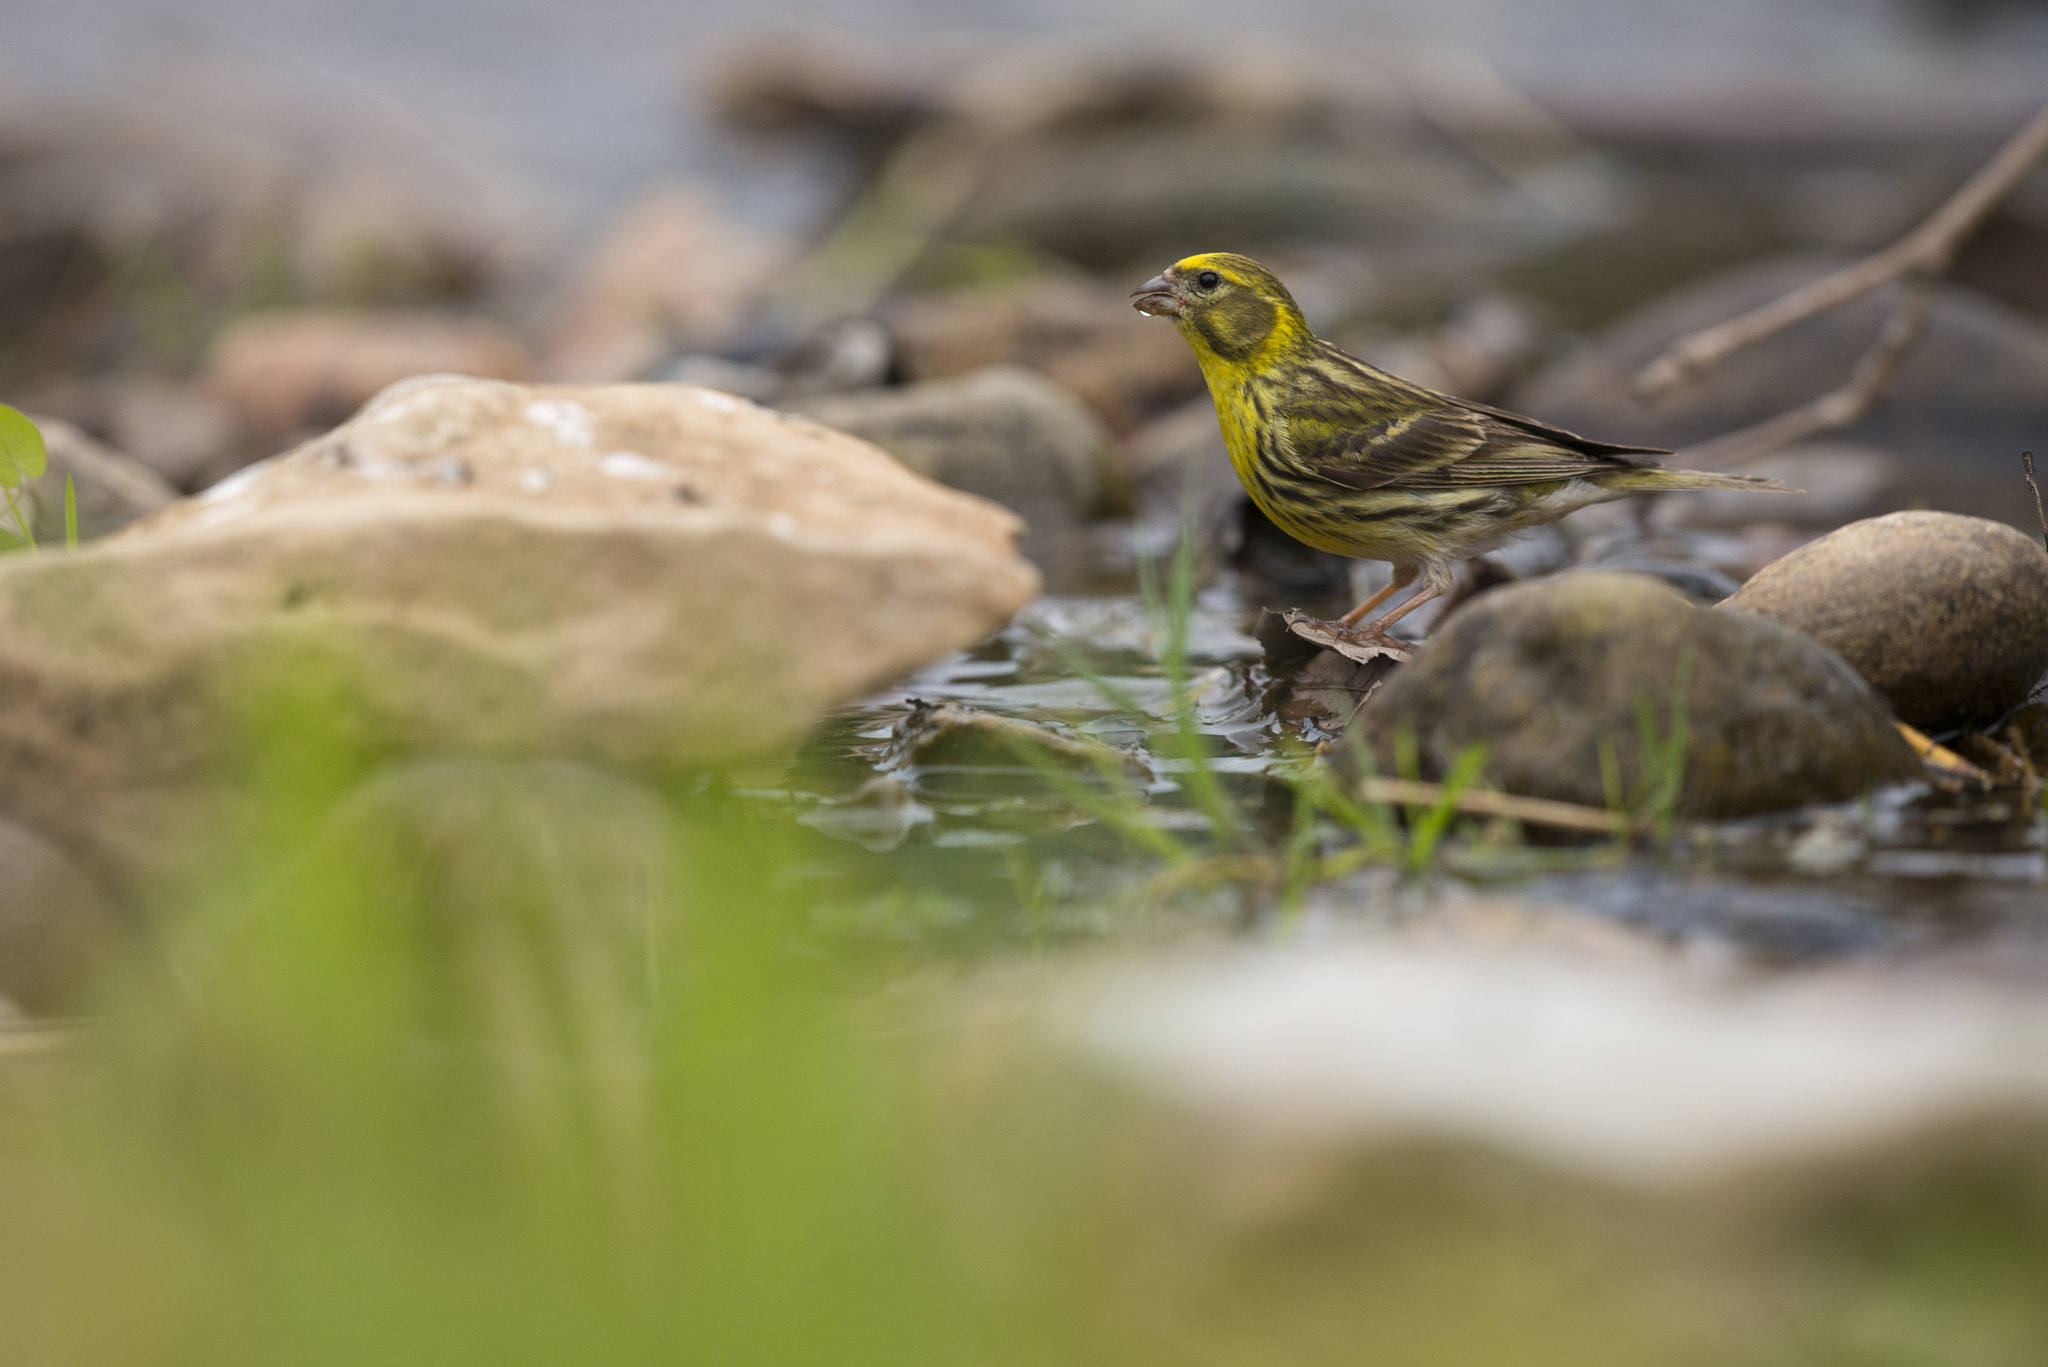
(1374, 640)
(1360, 643)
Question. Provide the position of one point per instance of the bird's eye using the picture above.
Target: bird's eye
(1208, 280)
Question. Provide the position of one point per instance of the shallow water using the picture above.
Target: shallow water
(984, 848)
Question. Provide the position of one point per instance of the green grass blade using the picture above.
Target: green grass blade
(1428, 830)
(1116, 805)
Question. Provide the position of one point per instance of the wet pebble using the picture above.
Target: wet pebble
(1083, 336)
(1547, 674)
(1005, 433)
(1945, 615)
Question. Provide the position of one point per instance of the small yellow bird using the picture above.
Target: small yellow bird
(1353, 460)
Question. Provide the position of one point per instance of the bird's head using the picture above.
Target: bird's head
(1226, 303)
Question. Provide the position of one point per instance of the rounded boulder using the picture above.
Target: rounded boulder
(1548, 675)
(1945, 615)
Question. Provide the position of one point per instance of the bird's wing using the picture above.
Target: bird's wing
(1363, 429)
(1570, 440)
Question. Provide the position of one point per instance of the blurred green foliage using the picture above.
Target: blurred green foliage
(438, 1060)
(23, 457)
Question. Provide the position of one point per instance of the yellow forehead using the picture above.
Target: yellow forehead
(1207, 261)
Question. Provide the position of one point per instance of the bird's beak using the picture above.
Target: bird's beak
(1156, 296)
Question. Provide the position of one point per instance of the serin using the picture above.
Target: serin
(1353, 460)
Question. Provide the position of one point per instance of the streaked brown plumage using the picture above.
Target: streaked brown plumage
(1353, 460)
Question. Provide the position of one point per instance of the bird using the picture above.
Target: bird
(1350, 459)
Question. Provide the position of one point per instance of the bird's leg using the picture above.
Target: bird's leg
(1375, 631)
(1401, 580)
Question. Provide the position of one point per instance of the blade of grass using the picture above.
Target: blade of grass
(1371, 818)
(1428, 831)
(1298, 863)
(1171, 613)
(1115, 804)
(1610, 786)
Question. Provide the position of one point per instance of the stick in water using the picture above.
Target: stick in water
(2027, 464)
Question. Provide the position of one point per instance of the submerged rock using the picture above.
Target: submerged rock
(1945, 615)
(1547, 674)
(659, 576)
(1004, 433)
(950, 734)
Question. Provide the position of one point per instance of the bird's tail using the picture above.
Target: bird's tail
(1653, 479)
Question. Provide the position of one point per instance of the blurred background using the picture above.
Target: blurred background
(867, 1056)
(1484, 195)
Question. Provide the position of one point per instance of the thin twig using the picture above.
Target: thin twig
(2027, 466)
(1927, 251)
(1940, 758)
(1838, 408)
(1536, 811)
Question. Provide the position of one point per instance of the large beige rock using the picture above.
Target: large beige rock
(657, 575)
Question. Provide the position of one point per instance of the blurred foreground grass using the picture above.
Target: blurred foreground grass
(440, 1061)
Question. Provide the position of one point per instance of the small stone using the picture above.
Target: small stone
(1945, 615)
(1545, 674)
(1084, 337)
(301, 370)
(1006, 434)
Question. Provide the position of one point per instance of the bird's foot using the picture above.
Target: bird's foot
(1369, 635)
(1361, 643)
